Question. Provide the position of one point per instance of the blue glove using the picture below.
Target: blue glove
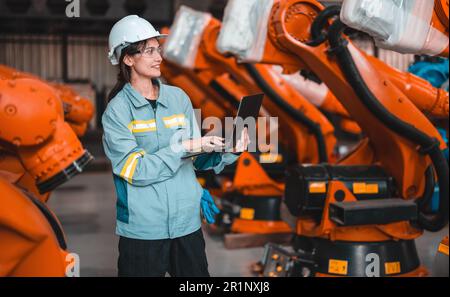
(209, 208)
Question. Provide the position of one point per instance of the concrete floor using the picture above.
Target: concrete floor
(86, 208)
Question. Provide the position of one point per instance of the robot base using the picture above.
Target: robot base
(322, 257)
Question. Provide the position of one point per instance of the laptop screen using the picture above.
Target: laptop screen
(248, 108)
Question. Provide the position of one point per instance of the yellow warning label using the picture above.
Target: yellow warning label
(364, 188)
(372, 189)
(317, 187)
(392, 267)
(338, 267)
(443, 249)
(247, 213)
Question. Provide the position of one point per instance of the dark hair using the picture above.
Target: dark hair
(124, 75)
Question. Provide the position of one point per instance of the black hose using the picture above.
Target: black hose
(429, 146)
(437, 222)
(318, 36)
(427, 196)
(299, 116)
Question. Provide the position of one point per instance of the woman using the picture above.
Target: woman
(159, 200)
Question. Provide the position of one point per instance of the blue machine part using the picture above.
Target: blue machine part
(435, 201)
(436, 73)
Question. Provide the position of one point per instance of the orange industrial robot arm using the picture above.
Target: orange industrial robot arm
(284, 101)
(48, 148)
(420, 27)
(78, 111)
(32, 242)
(11, 168)
(317, 94)
(430, 100)
(321, 97)
(394, 125)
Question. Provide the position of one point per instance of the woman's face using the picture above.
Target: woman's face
(147, 62)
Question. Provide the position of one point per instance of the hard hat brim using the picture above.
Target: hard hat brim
(161, 36)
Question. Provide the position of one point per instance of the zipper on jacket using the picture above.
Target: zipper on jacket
(165, 186)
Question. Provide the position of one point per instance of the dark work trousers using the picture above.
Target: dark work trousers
(180, 257)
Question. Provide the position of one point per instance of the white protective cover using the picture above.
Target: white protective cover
(313, 92)
(399, 25)
(244, 29)
(185, 36)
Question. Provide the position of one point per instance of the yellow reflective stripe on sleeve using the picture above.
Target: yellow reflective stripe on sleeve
(174, 120)
(133, 168)
(127, 164)
(142, 126)
(130, 166)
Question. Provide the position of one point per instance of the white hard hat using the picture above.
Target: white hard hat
(128, 30)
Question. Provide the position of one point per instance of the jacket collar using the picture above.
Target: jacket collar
(138, 100)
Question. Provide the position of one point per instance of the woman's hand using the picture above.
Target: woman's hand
(243, 142)
(204, 144)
